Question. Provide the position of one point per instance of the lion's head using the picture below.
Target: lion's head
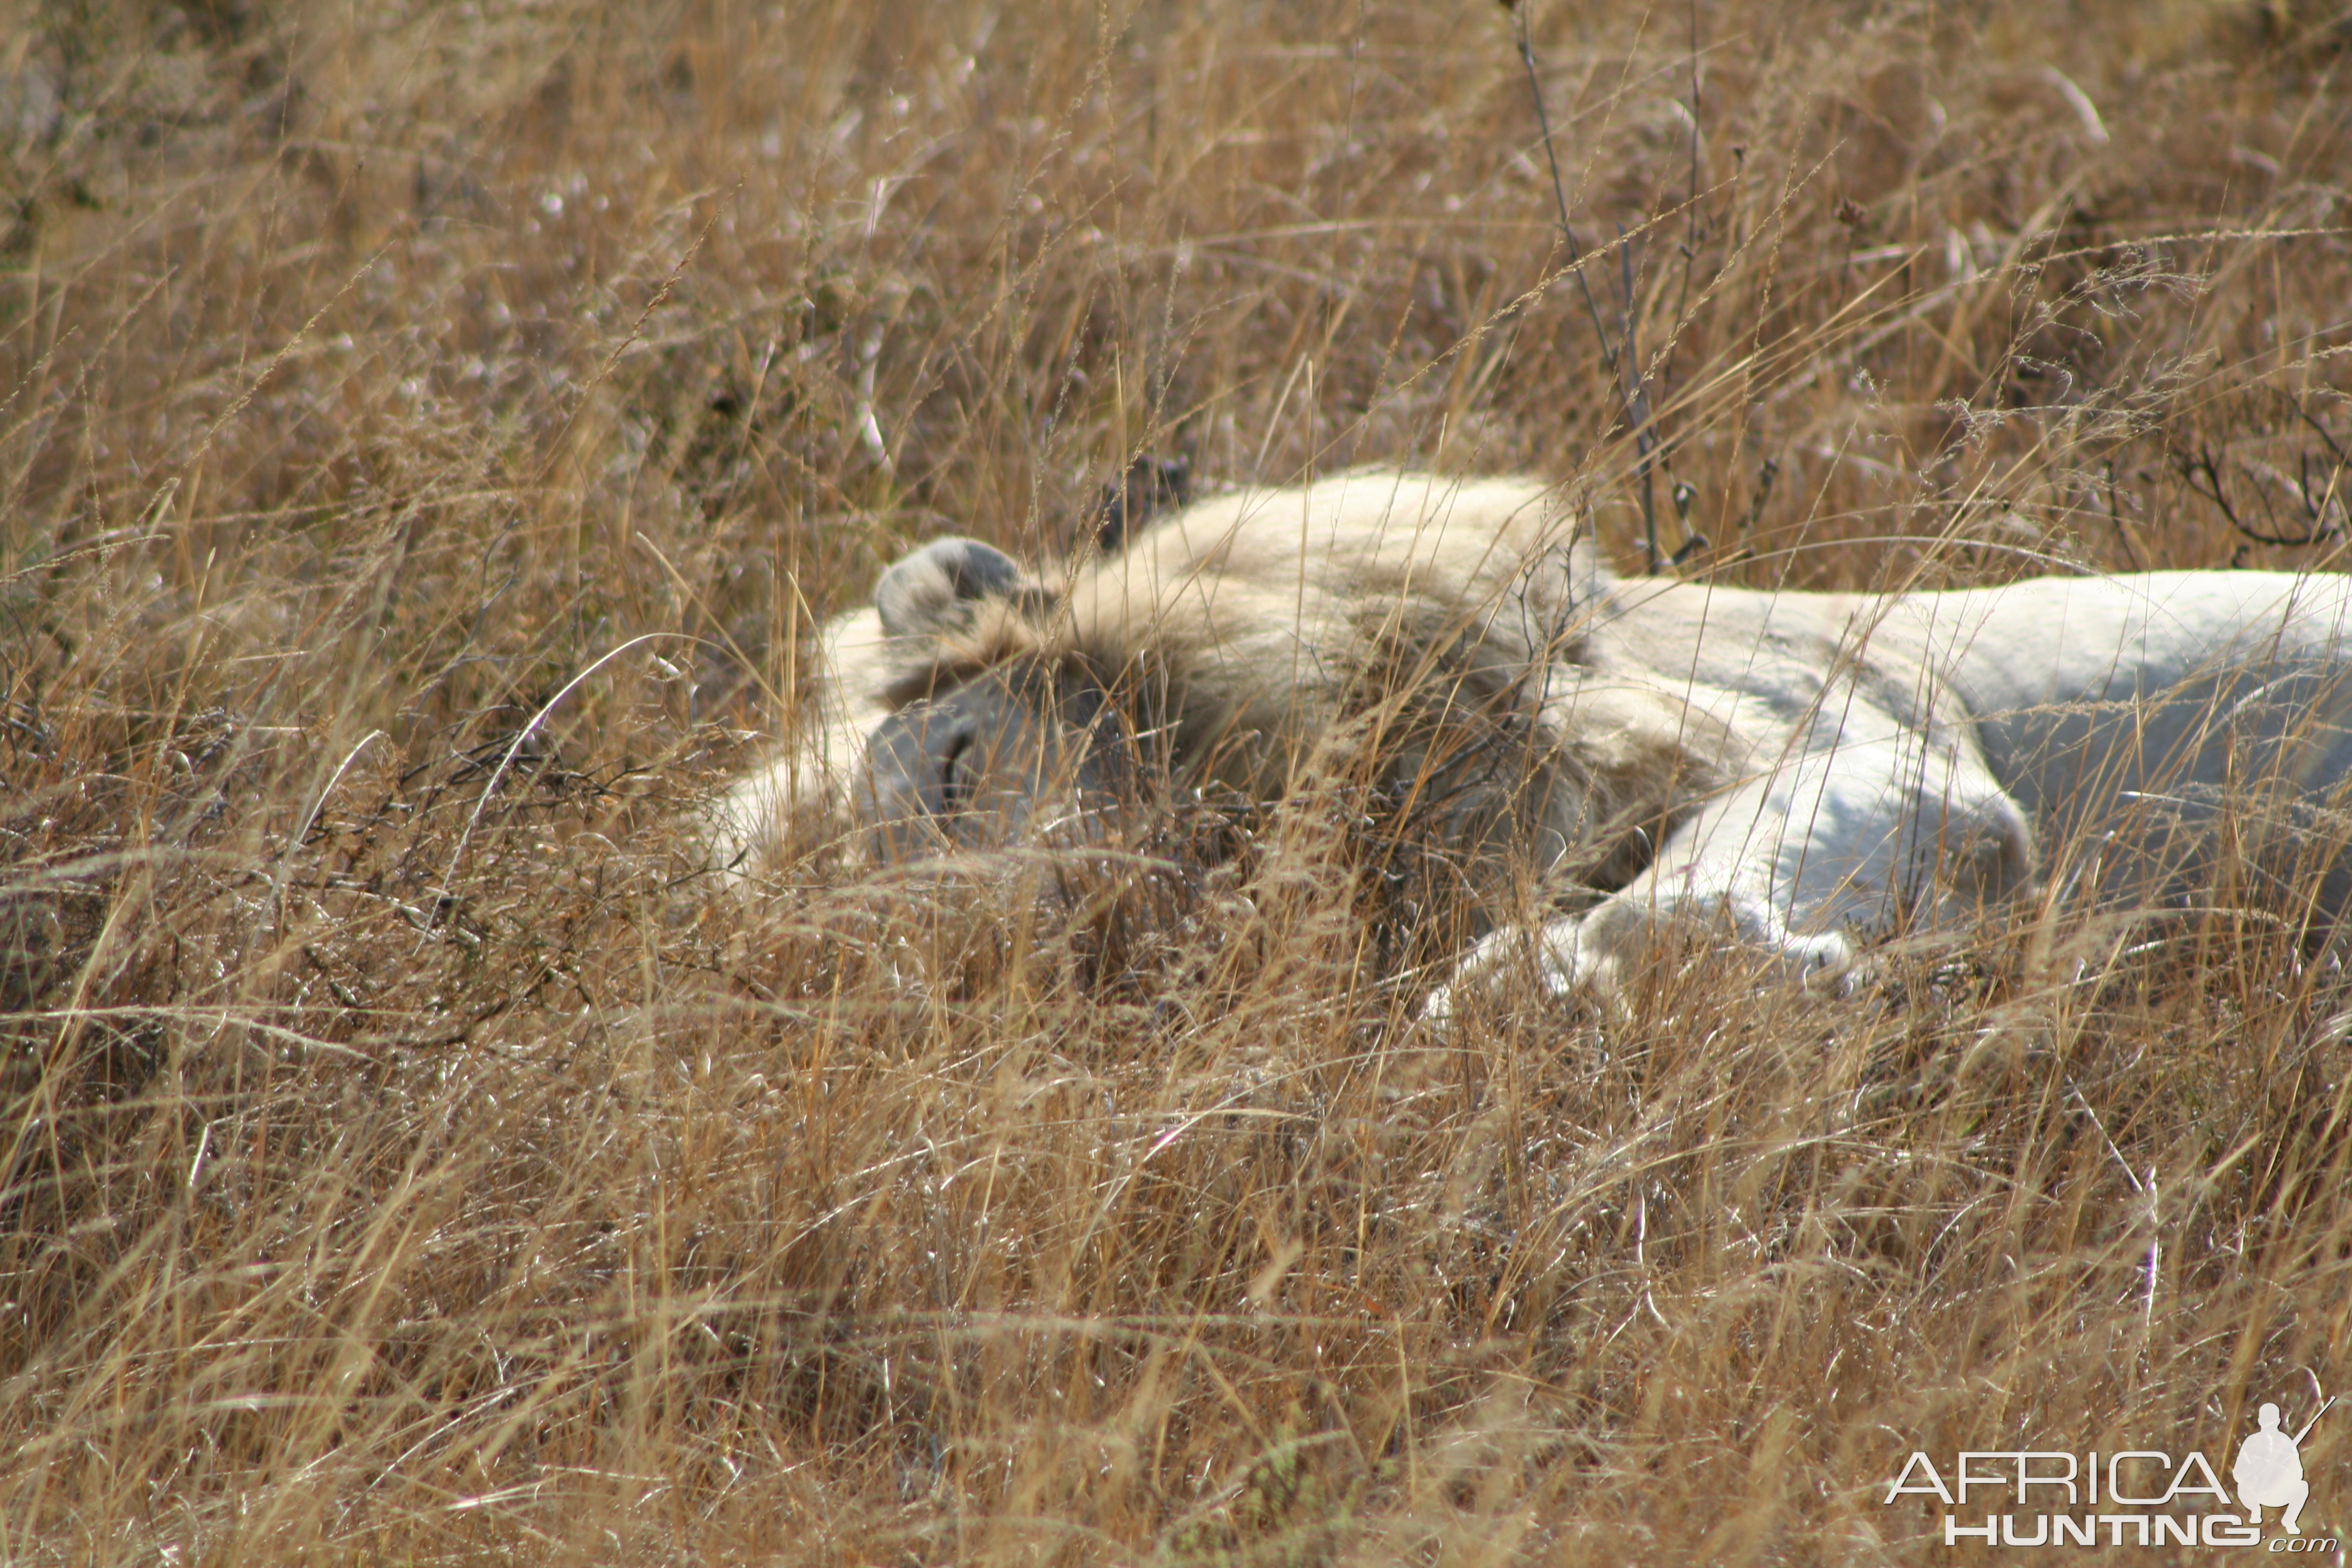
(1408, 655)
(998, 730)
(1386, 651)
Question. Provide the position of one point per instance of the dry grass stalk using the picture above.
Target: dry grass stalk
(407, 1159)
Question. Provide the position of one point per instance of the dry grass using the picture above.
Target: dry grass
(410, 1158)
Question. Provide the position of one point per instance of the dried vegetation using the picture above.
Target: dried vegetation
(426, 432)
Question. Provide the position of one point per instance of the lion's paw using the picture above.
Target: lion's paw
(1559, 954)
(1592, 950)
(1832, 959)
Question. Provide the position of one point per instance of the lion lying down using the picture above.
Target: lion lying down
(1804, 768)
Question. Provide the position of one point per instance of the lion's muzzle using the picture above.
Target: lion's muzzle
(1009, 758)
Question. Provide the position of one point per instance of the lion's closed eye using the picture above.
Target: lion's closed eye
(955, 775)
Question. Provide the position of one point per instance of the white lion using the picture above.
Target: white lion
(1803, 769)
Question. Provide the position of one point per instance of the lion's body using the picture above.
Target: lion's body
(1811, 765)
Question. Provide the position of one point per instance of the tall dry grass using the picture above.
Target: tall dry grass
(424, 433)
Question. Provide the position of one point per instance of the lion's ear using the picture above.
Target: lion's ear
(917, 594)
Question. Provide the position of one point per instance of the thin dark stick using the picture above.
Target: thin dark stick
(1637, 403)
(1690, 236)
(1559, 193)
(2115, 517)
(1636, 414)
(2216, 490)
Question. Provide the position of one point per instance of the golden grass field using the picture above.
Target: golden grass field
(428, 432)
